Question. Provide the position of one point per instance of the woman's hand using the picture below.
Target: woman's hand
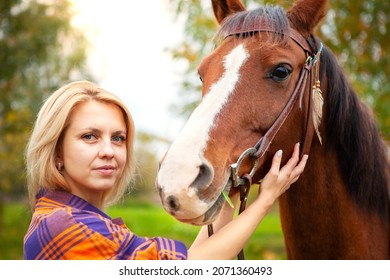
(278, 180)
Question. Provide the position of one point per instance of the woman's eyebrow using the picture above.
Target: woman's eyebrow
(96, 130)
(93, 129)
(120, 132)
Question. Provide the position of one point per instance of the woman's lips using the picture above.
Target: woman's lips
(105, 170)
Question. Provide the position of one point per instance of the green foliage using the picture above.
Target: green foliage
(16, 220)
(39, 51)
(357, 32)
(199, 28)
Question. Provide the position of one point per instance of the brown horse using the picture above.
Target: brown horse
(262, 90)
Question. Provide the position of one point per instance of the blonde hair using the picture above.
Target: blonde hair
(48, 131)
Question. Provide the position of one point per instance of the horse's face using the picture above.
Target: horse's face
(247, 81)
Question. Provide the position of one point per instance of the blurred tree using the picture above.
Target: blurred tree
(358, 34)
(39, 51)
(147, 157)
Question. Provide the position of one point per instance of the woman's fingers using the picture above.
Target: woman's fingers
(290, 172)
(292, 162)
(276, 161)
(297, 171)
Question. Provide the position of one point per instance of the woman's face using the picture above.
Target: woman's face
(94, 150)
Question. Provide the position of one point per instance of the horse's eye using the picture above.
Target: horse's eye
(200, 77)
(280, 73)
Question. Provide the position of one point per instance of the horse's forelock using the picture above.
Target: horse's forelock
(272, 18)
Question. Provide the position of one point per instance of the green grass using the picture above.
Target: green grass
(16, 217)
(149, 220)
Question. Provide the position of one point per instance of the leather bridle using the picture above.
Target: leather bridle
(306, 79)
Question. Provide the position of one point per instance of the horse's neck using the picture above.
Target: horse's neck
(320, 220)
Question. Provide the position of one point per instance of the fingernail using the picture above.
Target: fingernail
(279, 153)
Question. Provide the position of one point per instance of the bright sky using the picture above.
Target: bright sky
(128, 57)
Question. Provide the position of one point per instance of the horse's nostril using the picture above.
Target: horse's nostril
(173, 203)
(204, 178)
(203, 170)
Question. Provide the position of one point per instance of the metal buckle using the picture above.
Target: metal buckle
(235, 167)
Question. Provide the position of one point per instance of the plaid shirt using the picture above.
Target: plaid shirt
(65, 226)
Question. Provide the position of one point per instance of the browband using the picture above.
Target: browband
(266, 25)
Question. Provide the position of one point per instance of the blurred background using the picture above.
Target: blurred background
(147, 53)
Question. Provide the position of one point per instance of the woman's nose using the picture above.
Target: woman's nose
(106, 149)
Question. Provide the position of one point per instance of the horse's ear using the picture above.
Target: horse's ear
(223, 8)
(306, 14)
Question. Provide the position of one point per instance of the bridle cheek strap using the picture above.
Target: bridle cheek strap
(263, 144)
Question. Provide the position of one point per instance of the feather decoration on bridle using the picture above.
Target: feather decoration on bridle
(318, 100)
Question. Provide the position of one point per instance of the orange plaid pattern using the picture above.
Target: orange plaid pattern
(65, 226)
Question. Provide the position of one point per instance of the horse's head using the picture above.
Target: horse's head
(249, 80)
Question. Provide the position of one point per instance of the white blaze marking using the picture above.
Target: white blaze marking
(181, 164)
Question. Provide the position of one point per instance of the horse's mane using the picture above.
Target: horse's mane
(351, 130)
(350, 126)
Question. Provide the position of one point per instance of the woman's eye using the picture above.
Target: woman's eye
(89, 137)
(119, 138)
(280, 73)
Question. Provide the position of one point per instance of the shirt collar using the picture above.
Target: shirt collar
(71, 200)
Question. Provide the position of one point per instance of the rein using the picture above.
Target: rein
(256, 152)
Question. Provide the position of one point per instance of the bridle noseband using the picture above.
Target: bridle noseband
(306, 77)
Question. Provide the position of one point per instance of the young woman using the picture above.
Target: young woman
(80, 160)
